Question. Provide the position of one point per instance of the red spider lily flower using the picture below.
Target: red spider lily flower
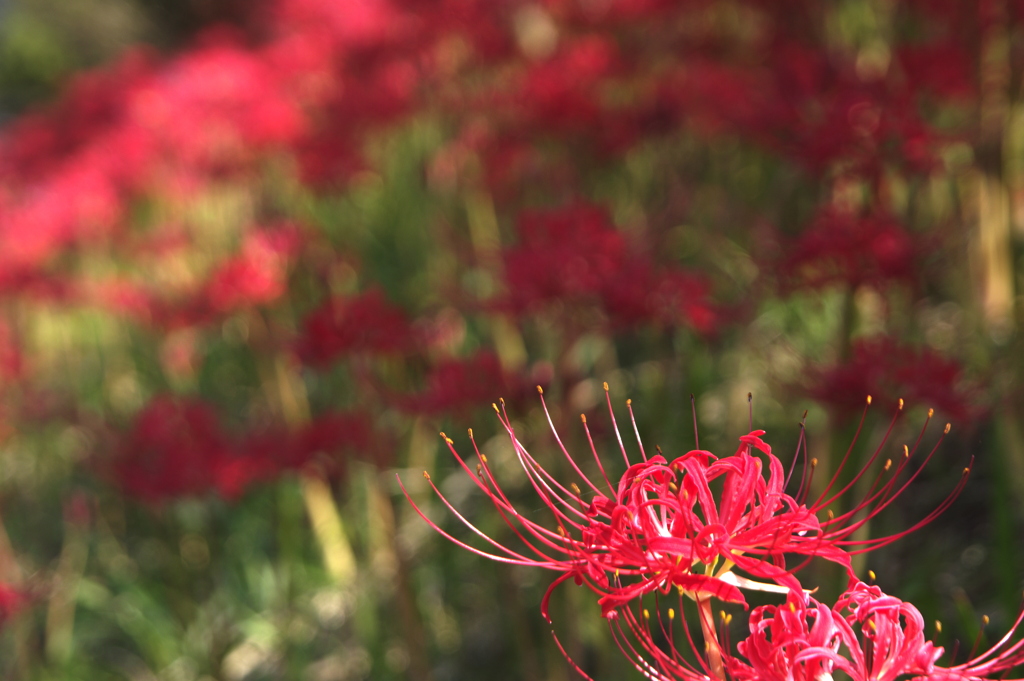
(454, 384)
(881, 365)
(179, 448)
(663, 528)
(884, 636)
(841, 246)
(365, 323)
(882, 640)
(575, 256)
(866, 636)
(796, 641)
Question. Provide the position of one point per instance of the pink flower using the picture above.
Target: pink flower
(796, 641)
(884, 636)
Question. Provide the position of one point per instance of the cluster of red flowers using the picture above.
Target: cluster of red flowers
(532, 97)
(701, 528)
(884, 366)
(179, 447)
(574, 255)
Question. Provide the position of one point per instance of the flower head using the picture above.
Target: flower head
(698, 526)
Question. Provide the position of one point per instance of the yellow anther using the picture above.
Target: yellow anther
(561, 531)
(426, 475)
(502, 401)
(901, 404)
(792, 606)
(647, 614)
(966, 470)
(483, 457)
(480, 470)
(470, 432)
(680, 589)
(906, 452)
(606, 386)
(871, 575)
(671, 613)
(814, 462)
(931, 412)
(888, 464)
(583, 417)
(872, 626)
(616, 573)
(984, 620)
(830, 515)
(495, 407)
(540, 390)
(443, 435)
(946, 431)
(869, 399)
(575, 488)
(629, 402)
(449, 440)
(673, 486)
(938, 627)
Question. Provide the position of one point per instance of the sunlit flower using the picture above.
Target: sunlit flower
(699, 526)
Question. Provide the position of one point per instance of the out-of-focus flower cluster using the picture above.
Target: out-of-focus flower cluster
(94, 189)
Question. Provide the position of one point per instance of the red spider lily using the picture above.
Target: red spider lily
(867, 636)
(574, 256)
(179, 448)
(365, 323)
(882, 639)
(840, 246)
(797, 640)
(884, 636)
(453, 384)
(881, 365)
(662, 527)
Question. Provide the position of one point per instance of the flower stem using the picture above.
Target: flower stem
(713, 647)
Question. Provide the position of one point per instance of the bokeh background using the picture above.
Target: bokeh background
(255, 255)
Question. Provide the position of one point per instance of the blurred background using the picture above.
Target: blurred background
(255, 255)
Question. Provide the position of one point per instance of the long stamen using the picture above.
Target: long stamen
(615, 425)
(693, 410)
(800, 443)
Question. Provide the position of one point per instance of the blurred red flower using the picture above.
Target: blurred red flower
(884, 366)
(364, 323)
